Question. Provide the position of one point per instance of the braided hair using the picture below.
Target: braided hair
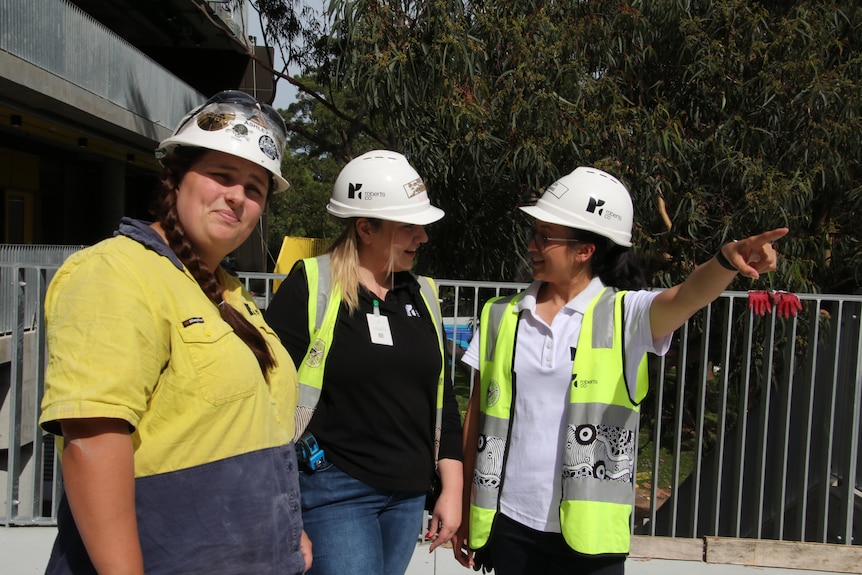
(175, 167)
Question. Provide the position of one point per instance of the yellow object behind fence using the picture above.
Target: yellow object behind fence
(295, 249)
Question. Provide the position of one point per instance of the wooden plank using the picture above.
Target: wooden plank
(676, 548)
(784, 554)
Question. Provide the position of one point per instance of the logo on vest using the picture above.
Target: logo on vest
(582, 383)
(315, 354)
(493, 393)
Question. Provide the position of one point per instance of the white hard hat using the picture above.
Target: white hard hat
(235, 123)
(588, 199)
(382, 184)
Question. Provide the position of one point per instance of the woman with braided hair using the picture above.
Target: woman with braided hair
(167, 223)
(173, 398)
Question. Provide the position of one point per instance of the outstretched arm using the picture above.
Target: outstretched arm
(751, 257)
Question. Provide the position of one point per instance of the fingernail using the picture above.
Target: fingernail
(428, 535)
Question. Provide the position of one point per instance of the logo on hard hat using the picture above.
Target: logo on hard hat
(414, 188)
(353, 193)
(595, 204)
(595, 207)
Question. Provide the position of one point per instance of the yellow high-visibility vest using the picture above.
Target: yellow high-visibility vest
(324, 301)
(599, 464)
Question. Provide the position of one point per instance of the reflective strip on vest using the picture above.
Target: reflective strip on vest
(601, 423)
(498, 324)
(429, 295)
(323, 307)
(321, 326)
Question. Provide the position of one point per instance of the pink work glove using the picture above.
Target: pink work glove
(758, 302)
(786, 304)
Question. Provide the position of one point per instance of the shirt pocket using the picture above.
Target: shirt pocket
(224, 366)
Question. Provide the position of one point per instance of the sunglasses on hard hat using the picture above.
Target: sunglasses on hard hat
(254, 109)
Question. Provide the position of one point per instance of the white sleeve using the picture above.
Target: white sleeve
(471, 356)
(639, 339)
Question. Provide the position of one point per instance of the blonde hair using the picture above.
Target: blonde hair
(344, 263)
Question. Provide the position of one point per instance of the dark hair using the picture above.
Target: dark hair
(617, 266)
(176, 165)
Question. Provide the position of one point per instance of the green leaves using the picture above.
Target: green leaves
(723, 118)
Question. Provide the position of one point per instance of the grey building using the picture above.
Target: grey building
(88, 88)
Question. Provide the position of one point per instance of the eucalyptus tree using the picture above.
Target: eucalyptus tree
(722, 117)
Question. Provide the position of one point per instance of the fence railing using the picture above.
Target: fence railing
(29, 257)
(751, 428)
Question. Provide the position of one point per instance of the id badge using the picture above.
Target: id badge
(378, 327)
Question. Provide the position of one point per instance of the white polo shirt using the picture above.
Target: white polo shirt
(544, 356)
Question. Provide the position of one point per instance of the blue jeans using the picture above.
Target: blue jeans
(357, 528)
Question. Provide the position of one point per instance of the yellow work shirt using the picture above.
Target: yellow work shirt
(132, 336)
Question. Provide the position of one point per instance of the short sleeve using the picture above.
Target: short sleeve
(639, 333)
(471, 356)
(105, 353)
(638, 325)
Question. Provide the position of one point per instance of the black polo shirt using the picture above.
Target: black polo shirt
(375, 417)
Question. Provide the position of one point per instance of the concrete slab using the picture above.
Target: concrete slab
(442, 562)
(25, 551)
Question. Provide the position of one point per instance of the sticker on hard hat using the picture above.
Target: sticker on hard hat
(557, 190)
(414, 188)
(268, 147)
(213, 121)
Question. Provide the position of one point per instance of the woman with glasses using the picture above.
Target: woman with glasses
(173, 399)
(550, 429)
(376, 416)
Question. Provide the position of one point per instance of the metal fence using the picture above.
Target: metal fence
(751, 428)
(29, 257)
(29, 480)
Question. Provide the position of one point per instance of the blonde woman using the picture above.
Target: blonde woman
(375, 411)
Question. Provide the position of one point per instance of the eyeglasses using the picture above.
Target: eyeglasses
(542, 240)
